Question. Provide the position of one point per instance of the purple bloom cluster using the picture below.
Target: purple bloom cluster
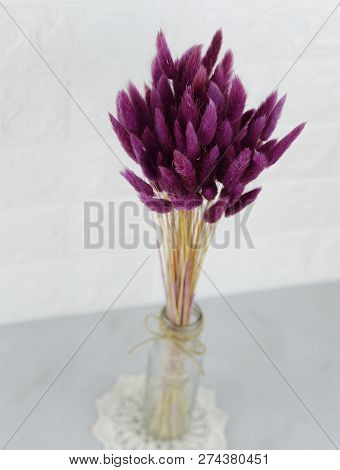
(193, 138)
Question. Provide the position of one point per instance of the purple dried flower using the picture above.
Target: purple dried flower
(179, 137)
(283, 144)
(234, 193)
(138, 183)
(254, 131)
(218, 77)
(227, 157)
(180, 63)
(208, 124)
(188, 110)
(227, 67)
(236, 168)
(257, 164)
(209, 191)
(208, 164)
(273, 118)
(217, 96)
(192, 64)
(150, 142)
(139, 105)
(192, 145)
(123, 136)
(165, 92)
(268, 104)
(211, 55)
(162, 132)
(243, 202)
(199, 81)
(236, 101)
(127, 113)
(224, 134)
(156, 204)
(156, 71)
(143, 158)
(213, 213)
(164, 57)
(223, 72)
(170, 182)
(155, 101)
(247, 116)
(185, 170)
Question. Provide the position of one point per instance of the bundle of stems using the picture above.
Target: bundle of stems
(184, 240)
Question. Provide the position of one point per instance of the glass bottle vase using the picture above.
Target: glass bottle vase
(174, 368)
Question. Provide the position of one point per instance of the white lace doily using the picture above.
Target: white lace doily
(120, 425)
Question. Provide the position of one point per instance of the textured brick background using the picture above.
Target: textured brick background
(52, 159)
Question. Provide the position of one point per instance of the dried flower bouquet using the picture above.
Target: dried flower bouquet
(198, 148)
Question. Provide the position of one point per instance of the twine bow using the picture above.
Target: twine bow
(186, 341)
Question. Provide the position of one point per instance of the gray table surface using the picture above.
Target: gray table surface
(275, 369)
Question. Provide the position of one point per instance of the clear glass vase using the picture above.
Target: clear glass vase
(174, 368)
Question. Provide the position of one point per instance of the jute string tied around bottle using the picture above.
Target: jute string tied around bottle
(186, 340)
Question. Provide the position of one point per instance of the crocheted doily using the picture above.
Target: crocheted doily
(120, 425)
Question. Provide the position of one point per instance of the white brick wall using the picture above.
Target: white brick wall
(52, 159)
